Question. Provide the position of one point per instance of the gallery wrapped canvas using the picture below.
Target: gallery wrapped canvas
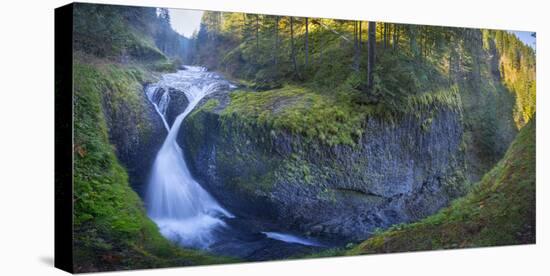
(188, 137)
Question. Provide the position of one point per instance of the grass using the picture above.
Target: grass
(111, 229)
(500, 210)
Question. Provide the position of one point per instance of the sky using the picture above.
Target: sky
(185, 22)
(526, 38)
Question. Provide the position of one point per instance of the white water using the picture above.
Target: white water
(161, 106)
(290, 238)
(182, 209)
(184, 212)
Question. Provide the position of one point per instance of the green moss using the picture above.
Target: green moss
(165, 65)
(329, 118)
(297, 168)
(111, 230)
(500, 210)
(207, 106)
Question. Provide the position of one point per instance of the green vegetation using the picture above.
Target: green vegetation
(323, 63)
(518, 70)
(120, 33)
(268, 51)
(306, 77)
(332, 118)
(116, 50)
(111, 228)
(309, 77)
(499, 210)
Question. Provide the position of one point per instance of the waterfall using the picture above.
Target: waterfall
(184, 212)
(290, 238)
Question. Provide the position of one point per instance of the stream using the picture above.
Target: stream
(183, 210)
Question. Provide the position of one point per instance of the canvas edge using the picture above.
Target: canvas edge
(63, 252)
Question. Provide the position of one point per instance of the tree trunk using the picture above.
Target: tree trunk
(412, 41)
(371, 49)
(395, 36)
(275, 56)
(422, 42)
(257, 33)
(244, 27)
(360, 35)
(356, 46)
(307, 43)
(354, 35)
(385, 35)
(292, 50)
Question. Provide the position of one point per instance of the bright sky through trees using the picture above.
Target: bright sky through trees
(185, 22)
(526, 37)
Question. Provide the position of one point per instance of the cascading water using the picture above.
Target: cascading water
(186, 213)
(183, 210)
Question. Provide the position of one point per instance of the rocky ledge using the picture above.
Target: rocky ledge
(398, 171)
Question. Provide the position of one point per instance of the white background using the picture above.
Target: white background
(27, 132)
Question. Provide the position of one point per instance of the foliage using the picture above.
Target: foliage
(518, 71)
(122, 32)
(332, 118)
(411, 60)
(419, 69)
(500, 210)
(110, 225)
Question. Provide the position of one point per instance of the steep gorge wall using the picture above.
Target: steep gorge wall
(397, 172)
(137, 133)
(116, 137)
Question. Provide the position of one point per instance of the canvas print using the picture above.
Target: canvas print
(209, 137)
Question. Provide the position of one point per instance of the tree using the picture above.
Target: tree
(275, 55)
(395, 36)
(245, 29)
(412, 40)
(307, 42)
(360, 35)
(257, 33)
(385, 35)
(164, 15)
(356, 42)
(371, 55)
(293, 50)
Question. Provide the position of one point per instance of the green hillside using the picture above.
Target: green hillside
(499, 210)
(111, 229)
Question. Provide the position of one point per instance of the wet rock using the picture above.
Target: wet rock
(398, 172)
(178, 103)
(137, 137)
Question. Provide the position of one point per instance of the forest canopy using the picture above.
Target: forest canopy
(270, 51)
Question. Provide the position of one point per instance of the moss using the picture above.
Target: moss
(111, 230)
(499, 210)
(199, 121)
(253, 124)
(329, 118)
(165, 65)
(206, 107)
(298, 169)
